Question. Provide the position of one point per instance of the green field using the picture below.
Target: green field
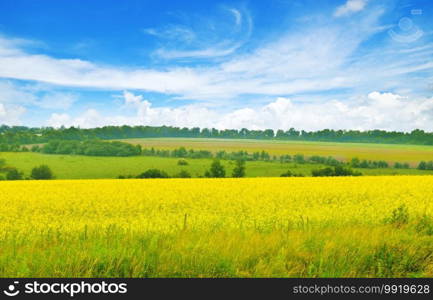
(412, 154)
(90, 167)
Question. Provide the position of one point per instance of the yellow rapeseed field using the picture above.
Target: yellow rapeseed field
(262, 227)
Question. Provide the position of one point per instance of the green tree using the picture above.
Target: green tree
(239, 170)
(14, 174)
(42, 172)
(153, 173)
(216, 170)
(422, 165)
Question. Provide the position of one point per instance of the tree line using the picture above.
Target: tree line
(117, 148)
(19, 135)
(216, 170)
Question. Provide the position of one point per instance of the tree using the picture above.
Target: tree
(336, 171)
(239, 170)
(422, 165)
(153, 173)
(42, 172)
(216, 170)
(14, 174)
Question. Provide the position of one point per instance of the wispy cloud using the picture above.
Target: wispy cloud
(312, 62)
(351, 6)
(216, 38)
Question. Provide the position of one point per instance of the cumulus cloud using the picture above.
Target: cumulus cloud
(16, 100)
(351, 6)
(376, 110)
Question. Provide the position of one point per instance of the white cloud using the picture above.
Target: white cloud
(181, 42)
(11, 114)
(351, 6)
(237, 15)
(58, 120)
(16, 100)
(10, 93)
(313, 59)
(57, 100)
(178, 33)
(374, 111)
(216, 51)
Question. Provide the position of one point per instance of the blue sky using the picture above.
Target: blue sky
(341, 64)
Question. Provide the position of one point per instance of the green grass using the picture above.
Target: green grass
(310, 252)
(412, 154)
(89, 167)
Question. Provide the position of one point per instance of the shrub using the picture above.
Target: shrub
(336, 171)
(183, 174)
(288, 173)
(182, 162)
(42, 172)
(153, 173)
(125, 177)
(14, 174)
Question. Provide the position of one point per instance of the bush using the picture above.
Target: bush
(287, 174)
(42, 172)
(153, 173)
(398, 165)
(125, 177)
(183, 174)
(182, 162)
(336, 171)
(14, 174)
(290, 174)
